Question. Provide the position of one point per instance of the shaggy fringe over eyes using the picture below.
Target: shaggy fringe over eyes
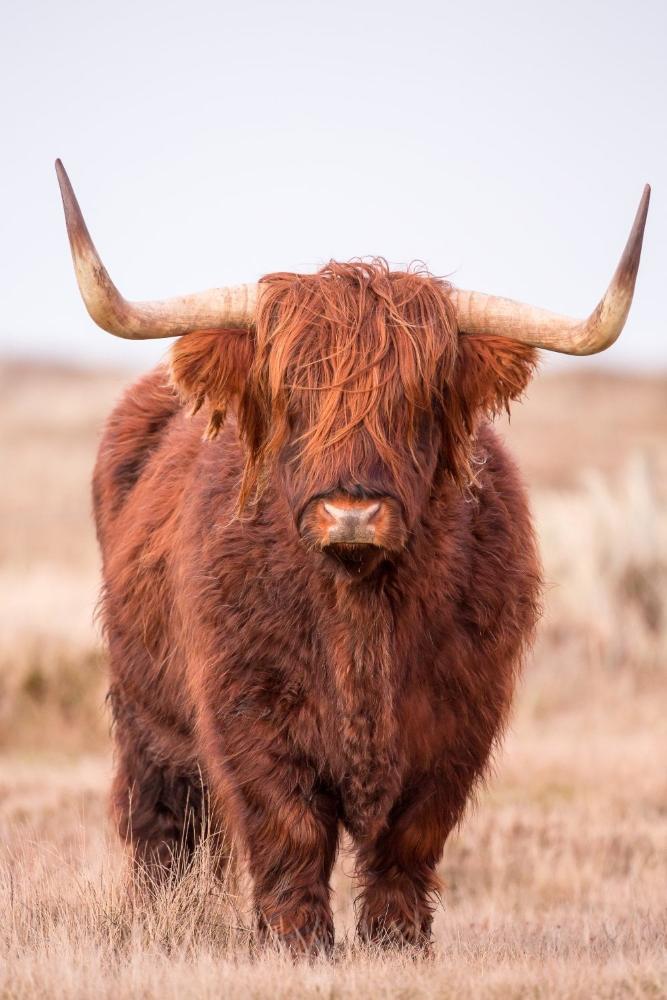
(344, 369)
(349, 360)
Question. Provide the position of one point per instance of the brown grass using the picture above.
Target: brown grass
(556, 880)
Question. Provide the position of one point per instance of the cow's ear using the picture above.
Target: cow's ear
(492, 371)
(211, 366)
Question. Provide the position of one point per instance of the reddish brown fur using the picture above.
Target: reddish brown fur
(300, 696)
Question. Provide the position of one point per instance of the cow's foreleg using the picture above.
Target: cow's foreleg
(397, 872)
(290, 830)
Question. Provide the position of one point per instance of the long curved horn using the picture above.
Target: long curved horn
(217, 308)
(489, 314)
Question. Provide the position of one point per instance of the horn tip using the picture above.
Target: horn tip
(642, 214)
(646, 197)
(642, 211)
(63, 179)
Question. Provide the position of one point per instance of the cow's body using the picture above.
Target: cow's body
(316, 615)
(305, 700)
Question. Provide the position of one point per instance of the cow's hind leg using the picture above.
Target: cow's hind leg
(160, 813)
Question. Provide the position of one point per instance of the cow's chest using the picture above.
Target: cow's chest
(360, 730)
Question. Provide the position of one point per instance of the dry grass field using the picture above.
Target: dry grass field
(556, 883)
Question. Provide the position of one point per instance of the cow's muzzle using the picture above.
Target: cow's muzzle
(356, 532)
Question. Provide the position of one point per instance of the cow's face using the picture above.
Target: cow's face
(359, 507)
(354, 395)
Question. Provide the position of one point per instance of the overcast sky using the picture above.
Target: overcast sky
(504, 144)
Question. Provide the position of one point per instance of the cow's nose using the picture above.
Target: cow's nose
(353, 523)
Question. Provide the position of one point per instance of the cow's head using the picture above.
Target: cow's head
(353, 391)
(356, 387)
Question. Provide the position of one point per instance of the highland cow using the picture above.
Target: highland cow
(320, 573)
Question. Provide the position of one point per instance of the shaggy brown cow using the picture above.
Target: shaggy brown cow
(318, 590)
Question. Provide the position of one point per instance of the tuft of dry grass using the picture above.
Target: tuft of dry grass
(555, 883)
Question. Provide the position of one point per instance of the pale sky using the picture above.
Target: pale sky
(504, 144)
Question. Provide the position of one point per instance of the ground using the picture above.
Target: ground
(555, 882)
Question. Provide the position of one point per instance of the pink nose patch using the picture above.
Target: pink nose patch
(351, 524)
